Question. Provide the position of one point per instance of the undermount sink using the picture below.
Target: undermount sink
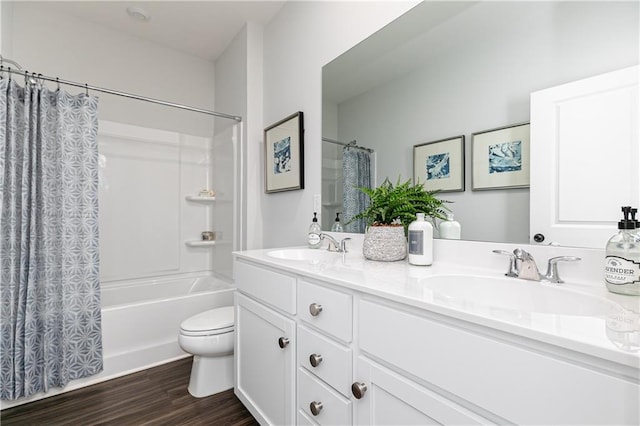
(304, 254)
(509, 294)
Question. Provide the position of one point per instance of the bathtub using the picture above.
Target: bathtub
(141, 321)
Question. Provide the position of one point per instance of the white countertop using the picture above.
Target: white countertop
(610, 331)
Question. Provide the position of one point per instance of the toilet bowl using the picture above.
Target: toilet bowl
(209, 337)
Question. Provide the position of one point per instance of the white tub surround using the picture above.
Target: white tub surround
(351, 341)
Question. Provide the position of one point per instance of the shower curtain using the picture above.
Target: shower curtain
(356, 173)
(49, 289)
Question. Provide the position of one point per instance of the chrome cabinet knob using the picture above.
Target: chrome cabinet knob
(315, 359)
(283, 342)
(358, 389)
(315, 309)
(315, 407)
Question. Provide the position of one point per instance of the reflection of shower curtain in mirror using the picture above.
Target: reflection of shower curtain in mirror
(356, 171)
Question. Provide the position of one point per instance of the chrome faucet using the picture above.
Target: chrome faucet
(527, 269)
(333, 244)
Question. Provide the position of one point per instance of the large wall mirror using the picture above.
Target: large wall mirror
(446, 69)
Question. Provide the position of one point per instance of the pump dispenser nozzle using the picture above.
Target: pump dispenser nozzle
(627, 222)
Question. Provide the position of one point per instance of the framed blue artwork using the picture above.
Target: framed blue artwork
(439, 165)
(284, 154)
(500, 158)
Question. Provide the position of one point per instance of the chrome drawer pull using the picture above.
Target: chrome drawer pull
(315, 359)
(358, 389)
(283, 342)
(315, 309)
(315, 407)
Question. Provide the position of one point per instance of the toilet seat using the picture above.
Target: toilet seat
(208, 323)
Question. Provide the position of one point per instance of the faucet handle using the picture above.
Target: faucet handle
(343, 244)
(552, 268)
(513, 266)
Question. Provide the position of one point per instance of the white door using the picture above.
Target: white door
(265, 369)
(584, 159)
(391, 399)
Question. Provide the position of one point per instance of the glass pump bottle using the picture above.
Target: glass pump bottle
(622, 261)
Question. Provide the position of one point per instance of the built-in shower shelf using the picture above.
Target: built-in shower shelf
(200, 243)
(200, 198)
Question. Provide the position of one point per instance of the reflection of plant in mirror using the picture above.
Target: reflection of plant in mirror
(398, 205)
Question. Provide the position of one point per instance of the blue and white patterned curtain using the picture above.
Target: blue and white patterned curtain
(50, 288)
(356, 173)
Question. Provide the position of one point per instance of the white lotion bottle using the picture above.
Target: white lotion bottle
(450, 229)
(420, 241)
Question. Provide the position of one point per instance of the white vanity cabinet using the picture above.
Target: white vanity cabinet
(354, 357)
(265, 369)
(504, 378)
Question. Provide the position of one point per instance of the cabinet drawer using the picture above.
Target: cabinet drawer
(275, 288)
(519, 385)
(336, 410)
(335, 364)
(335, 316)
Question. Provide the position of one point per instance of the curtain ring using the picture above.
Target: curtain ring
(58, 82)
(86, 89)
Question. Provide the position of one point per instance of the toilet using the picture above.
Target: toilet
(209, 337)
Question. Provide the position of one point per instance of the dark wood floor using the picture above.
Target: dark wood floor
(157, 396)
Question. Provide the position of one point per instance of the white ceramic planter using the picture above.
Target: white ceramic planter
(385, 243)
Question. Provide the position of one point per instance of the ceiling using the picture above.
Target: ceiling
(201, 28)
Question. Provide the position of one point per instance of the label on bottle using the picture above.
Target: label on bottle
(313, 238)
(620, 271)
(416, 242)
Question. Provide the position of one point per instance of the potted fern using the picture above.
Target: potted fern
(390, 211)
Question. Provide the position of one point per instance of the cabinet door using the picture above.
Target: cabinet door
(391, 399)
(584, 158)
(265, 371)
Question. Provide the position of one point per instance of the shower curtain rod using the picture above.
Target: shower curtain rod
(351, 144)
(88, 87)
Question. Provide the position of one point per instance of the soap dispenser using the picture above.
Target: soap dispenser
(622, 261)
(337, 226)
(313, 237)
(450, 229)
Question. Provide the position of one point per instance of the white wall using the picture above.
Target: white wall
(239, 89)
(61, 45)
(484, 82)
(302, 38)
